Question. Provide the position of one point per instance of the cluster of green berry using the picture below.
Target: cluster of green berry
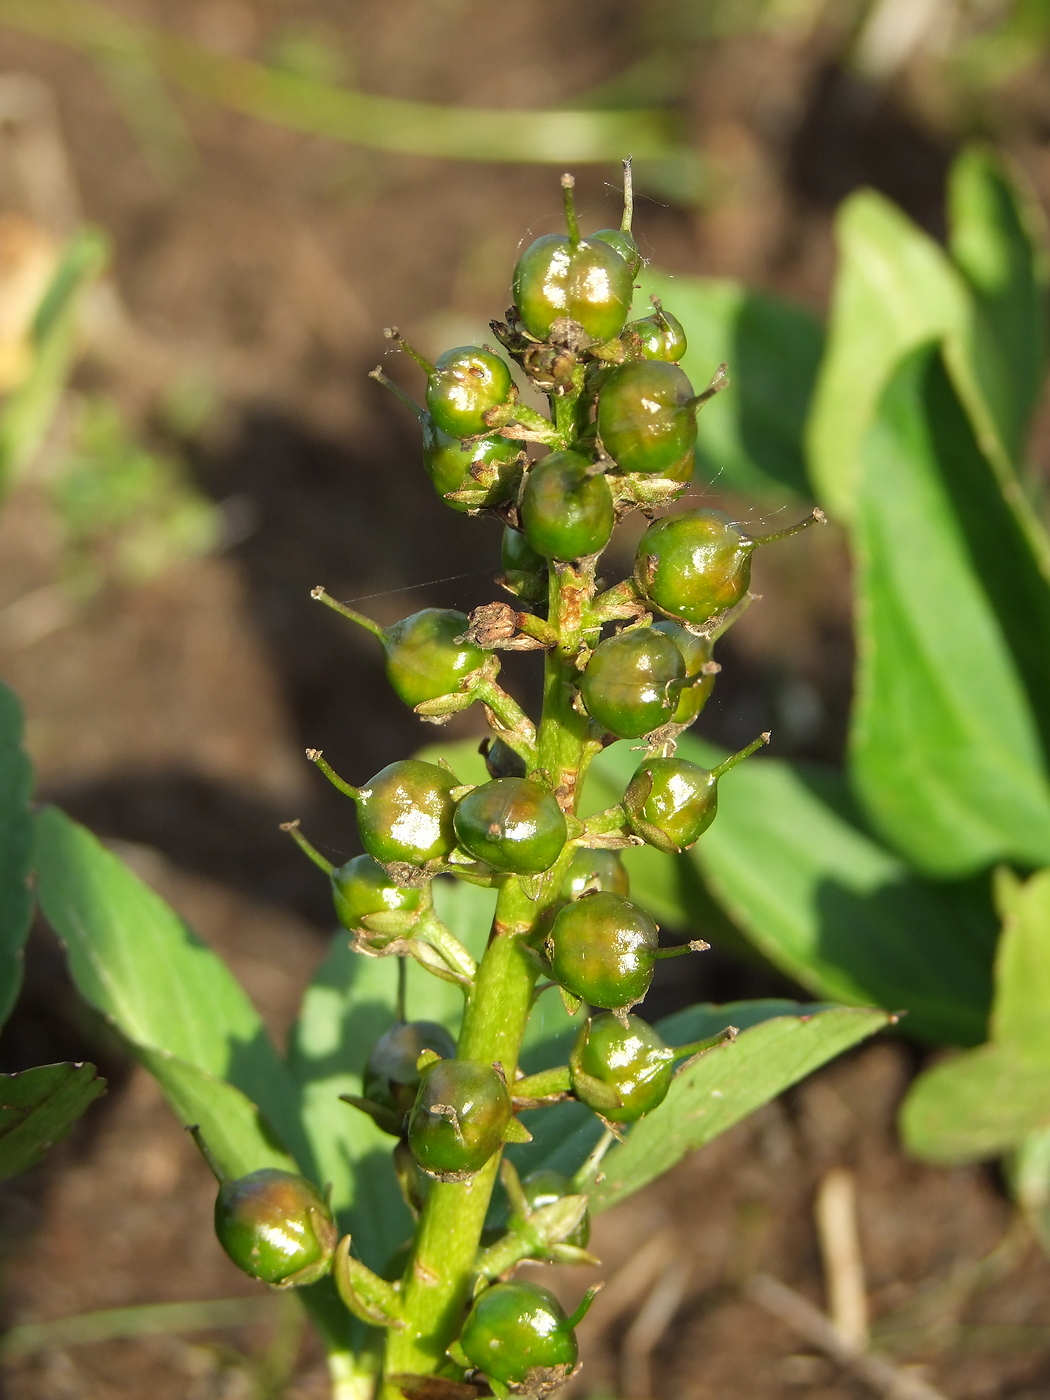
(621, 436)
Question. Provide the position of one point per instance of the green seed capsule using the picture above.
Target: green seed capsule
(696, 653)
(362, 887)
(391, 1077)
(566, 507)
(524, 571)
(276, 1227)
(661, 336)
(633, 681)
(466, 383)
(646, 418)
(670, 803)
(491, 465)
(512, 824)
(405, 813)
(518, 1334)
(461, 1111)
(426, 655)
(588, 282)
(624, 244)
(694, 565)
(620, 1070)
(546, 1188)
(595, 870)
(601, 949)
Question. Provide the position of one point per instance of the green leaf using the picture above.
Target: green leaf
(1021, 1012)
(725, 1085)
(148, 973)
(749, 437)
(944, 748)
(996, 238)
(16, 840)
(236, 1134)
(38, 1107)
(789, 859)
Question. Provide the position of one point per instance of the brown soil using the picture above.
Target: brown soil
(173, 716)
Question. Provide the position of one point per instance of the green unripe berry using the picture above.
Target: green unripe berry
(458, 1120)
(694, 565)
(465, 384)
(620, 1069)
(696, 653)
(595, 870)
(362, 887)
(545, 1188)
(660, 336)
(491, 465)
(646, 417)
(588, 282)
(275, 1226)
(391, 1077)
(624, 244)
(601, 950)
(518, 1331)
(511, 824)
(405, 813)
(426, 655)
(670, 803)
(566, 507)
(524, 571)
(632, 682)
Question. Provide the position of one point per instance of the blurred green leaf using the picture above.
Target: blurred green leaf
(16, 840)
(147, 972)
(996, 239)
(789, 859)
(38, 1107)
(988, 1100)
(945, 751)
(749, 437)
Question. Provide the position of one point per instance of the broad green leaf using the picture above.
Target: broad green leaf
(16, 840)
(789, 859)
(749, 437)
(724, 1086)
(996, 240)
(976, 1105)
(236, 1134)
(38, 1107)
(1021, 1011)
(137, 962)
(944, 748)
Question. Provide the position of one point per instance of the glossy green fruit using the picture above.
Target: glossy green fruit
(458, 1120)
(524, 571)
(362, 887)
(646, 420)
(390, 1076)
(588, 282)
(624, 244)
(517, 1329)
(275, 1226)
(512, 824)
(661, 336)
(595, 870)
(545, 1188)
(620, 1070)
(466, 383)
(426, 656)
(601, 950)
(566, 507)
(405, 813)
(491, 465)
(696, 653)
(670, 803)
(633, 681)
(694, 565)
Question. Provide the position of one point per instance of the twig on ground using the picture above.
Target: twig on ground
(846, 1296)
